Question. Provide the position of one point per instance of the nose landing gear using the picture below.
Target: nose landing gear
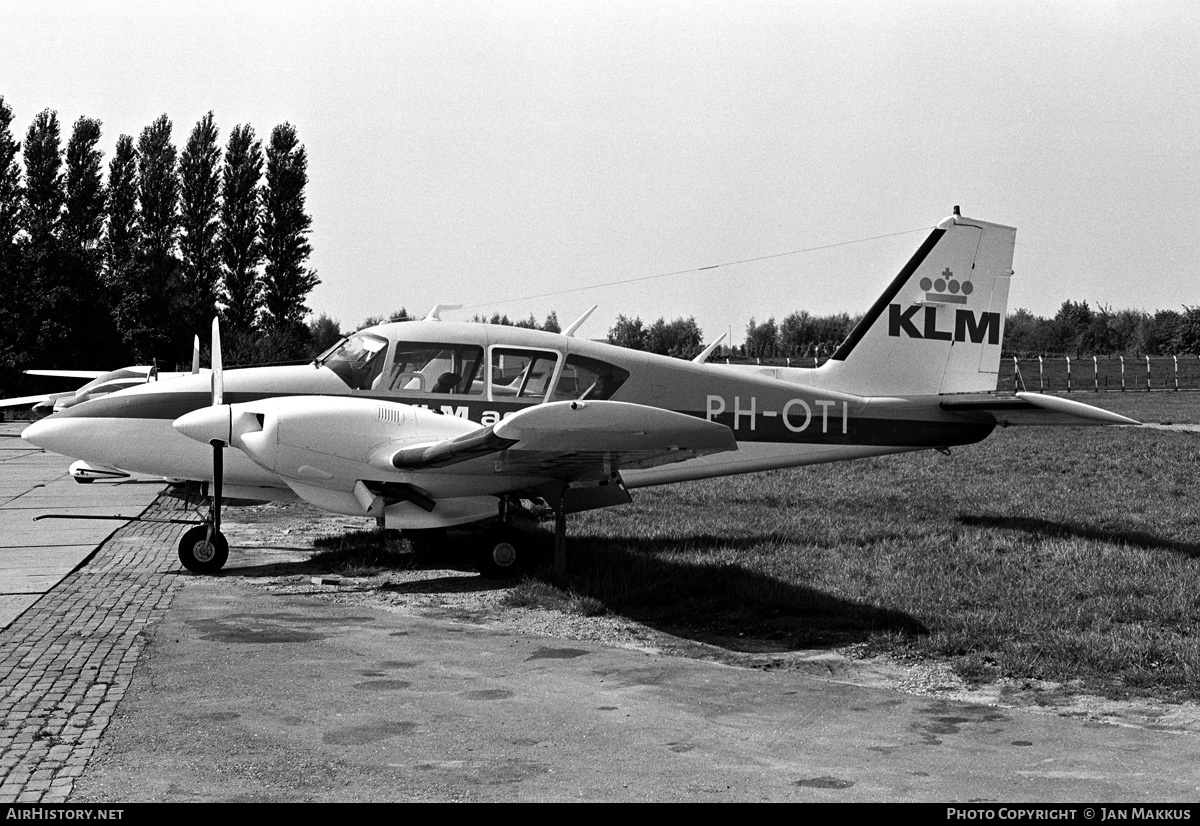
(203, 549)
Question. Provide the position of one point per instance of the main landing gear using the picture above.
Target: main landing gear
(497, 553)
(500, 547)
(494, 551)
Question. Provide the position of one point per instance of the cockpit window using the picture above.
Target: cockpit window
(435, 368)
(586, 378)
(522, 374)
(358, 360)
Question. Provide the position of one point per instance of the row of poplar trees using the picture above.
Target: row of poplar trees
(100, 271)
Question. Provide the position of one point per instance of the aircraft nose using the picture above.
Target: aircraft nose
(63, 436)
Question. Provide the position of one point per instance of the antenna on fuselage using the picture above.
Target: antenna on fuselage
(577, 323)
(708, 351)
(435, 313)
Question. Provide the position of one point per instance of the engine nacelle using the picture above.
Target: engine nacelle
(322, 441)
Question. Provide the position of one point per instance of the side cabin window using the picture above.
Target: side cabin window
(587, 378)
(358, 360)
(520, 374)
(424, 367)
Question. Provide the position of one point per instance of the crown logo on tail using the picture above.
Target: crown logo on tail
(946, 289)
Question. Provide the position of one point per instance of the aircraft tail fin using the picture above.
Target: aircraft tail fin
(939, 326)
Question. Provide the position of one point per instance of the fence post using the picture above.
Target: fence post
(1147, 374)
(1122, 374)
(1096, 372)
(1041, 374)
(1176, 358)
(1068, 374)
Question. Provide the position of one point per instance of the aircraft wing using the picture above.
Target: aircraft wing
(1034, 409)
(20, 400)
(572, 439)
(68, 374)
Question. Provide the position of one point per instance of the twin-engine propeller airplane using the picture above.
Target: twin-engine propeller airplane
(432, 424)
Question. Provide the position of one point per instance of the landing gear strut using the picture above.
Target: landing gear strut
(560, 540)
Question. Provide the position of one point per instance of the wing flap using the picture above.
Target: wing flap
(1034, 409)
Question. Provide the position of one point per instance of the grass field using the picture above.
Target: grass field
(1069, 555)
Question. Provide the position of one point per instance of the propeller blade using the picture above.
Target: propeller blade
(195, 355)
(218, 381)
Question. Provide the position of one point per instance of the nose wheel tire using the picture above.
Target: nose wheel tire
(202, 553)
(497, 555)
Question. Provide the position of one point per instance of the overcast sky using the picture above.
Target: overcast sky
(480, 152)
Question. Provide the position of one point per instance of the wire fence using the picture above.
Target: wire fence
(1094, 374)
(1071, 374)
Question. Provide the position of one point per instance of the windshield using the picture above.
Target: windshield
(357, 360)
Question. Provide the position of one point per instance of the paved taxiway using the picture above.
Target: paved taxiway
(134, 680)
(35, 556)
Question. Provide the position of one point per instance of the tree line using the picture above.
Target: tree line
(800, 334)
(100, 270)
(1078, 329)
(1075, 330)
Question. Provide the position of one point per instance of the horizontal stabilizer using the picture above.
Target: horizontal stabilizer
(1034, 409)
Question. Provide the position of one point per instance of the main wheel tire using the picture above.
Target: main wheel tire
(203, 554)
(497, 555)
